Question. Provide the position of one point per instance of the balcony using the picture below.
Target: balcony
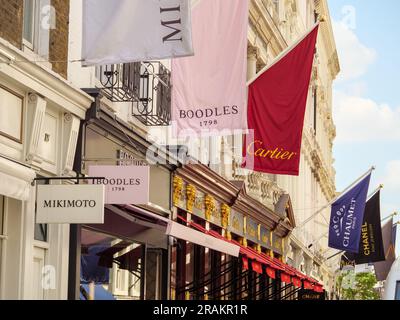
(146, 85)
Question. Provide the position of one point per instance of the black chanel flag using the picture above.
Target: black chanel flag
(371, 245)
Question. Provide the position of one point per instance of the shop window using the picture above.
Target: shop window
(111, 268)
(397, 295)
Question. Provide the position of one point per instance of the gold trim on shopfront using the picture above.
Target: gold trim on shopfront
(178, 186)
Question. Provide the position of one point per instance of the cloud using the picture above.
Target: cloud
(360, 119)
(391, 179)
(355, 57)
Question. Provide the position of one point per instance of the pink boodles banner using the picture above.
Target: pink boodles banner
(209, 88)
(123, 184)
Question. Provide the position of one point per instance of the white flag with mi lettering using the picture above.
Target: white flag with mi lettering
(125, 31)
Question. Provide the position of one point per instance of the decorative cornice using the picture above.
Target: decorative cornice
(321, 7)
(224, 191)
(15, 64)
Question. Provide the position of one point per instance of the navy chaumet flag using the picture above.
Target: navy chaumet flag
(347, 215)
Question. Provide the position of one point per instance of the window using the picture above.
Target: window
(41, 230)
(38, 19)
(29, 22)
(397, 294)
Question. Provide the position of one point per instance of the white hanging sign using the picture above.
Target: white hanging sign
(74, 204)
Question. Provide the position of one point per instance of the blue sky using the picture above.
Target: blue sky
(367, 95)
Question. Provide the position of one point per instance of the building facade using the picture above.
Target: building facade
(58, 118)
(274, 25)
(40, 113)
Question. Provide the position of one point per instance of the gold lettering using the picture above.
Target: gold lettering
(273, 153)
(292, 154)
(285, 155)
(276, 154)
(259, 152)
(365, 240)
(251, 145)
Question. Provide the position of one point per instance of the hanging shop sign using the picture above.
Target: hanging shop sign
(75, 204)
(251, 230)
(123, 184)
(265, 237)
(236, 223)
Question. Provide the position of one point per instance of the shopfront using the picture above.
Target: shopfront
(127, 256)
(208, 203)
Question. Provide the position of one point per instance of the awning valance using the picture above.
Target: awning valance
(15, 180)
(182, 232)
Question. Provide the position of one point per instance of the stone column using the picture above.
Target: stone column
(252, 54)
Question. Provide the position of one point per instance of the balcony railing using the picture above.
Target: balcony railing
(147, 85)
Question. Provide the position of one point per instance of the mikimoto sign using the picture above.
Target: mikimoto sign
(76, 204)
(123, 184)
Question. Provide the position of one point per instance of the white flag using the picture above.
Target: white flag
(135, 30)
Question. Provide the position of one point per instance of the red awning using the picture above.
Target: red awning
(285, 278)
(296, 282)
(308, 285)
(318, 288)
(245, 262)
(289, 274)
(257, 267)
(271, 273)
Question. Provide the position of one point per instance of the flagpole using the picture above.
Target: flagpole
(335, 198)
(375, 192)
(390, 216)
(369, 197)
(282, 54)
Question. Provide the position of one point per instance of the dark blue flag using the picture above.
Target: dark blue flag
(347, 215)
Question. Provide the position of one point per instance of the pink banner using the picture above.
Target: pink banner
(209, 89)
(123, 184)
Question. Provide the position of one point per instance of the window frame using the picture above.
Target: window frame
(39, 242)
(34, 27)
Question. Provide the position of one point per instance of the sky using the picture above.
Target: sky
(366, 97)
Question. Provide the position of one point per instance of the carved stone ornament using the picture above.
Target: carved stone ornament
(225, 215)
(178, 186)
(209, 203)
(190, 197)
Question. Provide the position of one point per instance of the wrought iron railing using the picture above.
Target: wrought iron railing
(120, 82)
(147, 85)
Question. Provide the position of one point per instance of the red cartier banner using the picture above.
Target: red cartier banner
(271, 273)
(285, 278)
(296, 282)
(257, 267)
(245, 263)
(276, 108)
